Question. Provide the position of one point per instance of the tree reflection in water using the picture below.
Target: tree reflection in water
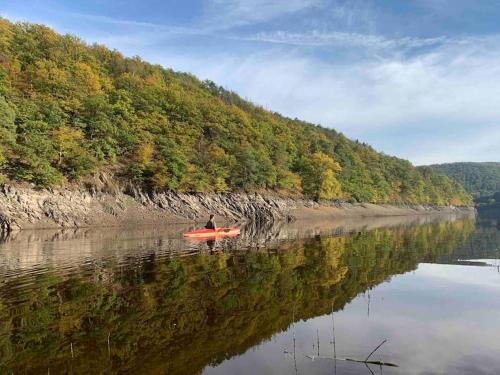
(179, 314)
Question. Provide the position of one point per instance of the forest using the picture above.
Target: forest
(70, 111)
(479, 179)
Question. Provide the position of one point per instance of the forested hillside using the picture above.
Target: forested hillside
(479, 179)
(69, 110)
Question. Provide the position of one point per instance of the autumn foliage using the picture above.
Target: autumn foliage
(69, 110)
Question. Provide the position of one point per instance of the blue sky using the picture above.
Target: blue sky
(419, 79)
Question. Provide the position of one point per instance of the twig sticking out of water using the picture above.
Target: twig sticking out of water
(374, 350)
(369, 300)
(334, 346)
(378, 363)
(369, 369)
(317, 337)
(365, 361)
(294, 352)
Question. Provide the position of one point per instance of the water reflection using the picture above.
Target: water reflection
(150, 302)
(483, 243)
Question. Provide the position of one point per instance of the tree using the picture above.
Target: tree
(7, 130)
(318, 178)
(73, 159)
(218, 165)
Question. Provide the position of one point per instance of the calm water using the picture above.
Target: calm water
(273, 301)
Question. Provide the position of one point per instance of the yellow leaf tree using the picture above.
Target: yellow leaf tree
(319, 180)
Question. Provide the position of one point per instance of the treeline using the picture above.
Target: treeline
(481, 180)
(69, 110)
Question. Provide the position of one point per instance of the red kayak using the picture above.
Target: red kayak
(212, 233)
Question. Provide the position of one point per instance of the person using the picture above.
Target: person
(211, 223)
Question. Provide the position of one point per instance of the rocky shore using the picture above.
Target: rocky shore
(28, 208)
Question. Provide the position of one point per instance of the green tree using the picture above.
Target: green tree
(7, 130)
(319, 181)
(73, 159)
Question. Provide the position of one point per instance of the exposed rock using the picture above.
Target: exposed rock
(5, 225)
(22, 207)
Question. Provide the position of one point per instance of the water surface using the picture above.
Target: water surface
(272, 301)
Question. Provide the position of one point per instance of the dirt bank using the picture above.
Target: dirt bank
(27, 208)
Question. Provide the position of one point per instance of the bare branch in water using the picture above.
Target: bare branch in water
(365, 361)
(374, 350)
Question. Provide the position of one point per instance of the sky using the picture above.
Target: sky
(419, 79)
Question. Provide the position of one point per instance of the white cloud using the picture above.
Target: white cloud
(485, 278)
(317, 38)
(354, 14)
(118, 21)
(476, 145)
(153, 28)
(225, 14)
(448, 83)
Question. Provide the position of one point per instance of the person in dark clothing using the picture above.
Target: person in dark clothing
(211, 223)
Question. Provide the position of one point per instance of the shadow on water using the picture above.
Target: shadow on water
(147, 301)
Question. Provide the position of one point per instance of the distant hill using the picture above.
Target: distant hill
(69, 111)
(479, 179)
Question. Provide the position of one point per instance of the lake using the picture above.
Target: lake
(296, 298)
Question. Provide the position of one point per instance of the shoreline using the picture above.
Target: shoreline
(27, 247)
(27, 208)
